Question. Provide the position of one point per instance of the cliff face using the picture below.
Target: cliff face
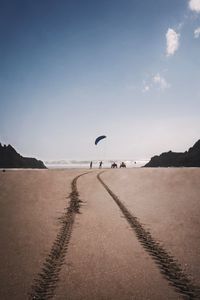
(9, 158)
(190, 158)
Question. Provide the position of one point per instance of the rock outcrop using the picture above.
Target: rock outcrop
(9, 158)
(190, 158)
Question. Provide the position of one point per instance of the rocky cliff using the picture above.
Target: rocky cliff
(9, 158)
(190, 158)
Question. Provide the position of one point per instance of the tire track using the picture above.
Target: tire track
(46, 281)
(167, 264)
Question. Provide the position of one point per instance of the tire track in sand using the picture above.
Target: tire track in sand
(167, 264)
(46, 281)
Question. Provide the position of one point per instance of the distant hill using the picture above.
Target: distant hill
(190, 158)
(9, 158)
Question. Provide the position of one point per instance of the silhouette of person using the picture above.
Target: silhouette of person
(100, 164)
(91, 165)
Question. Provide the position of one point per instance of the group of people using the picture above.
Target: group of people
(113, 165)
(100, 165)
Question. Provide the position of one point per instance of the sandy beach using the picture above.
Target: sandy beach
(107, 234)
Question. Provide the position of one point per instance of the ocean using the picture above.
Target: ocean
(95, 164)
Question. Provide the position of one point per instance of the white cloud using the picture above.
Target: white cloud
(146, 88)
(172, 38)
(197, 33)
(156, 81)
(194, 5)
(161, 82)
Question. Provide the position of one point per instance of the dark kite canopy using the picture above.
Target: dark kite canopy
(99, 138)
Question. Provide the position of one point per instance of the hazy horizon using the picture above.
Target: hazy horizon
(71, 71)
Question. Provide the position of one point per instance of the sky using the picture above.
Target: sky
(73, 70)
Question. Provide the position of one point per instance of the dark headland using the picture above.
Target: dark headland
(190, 158)
(9, 158)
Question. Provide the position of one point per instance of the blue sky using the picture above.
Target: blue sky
(73, 70)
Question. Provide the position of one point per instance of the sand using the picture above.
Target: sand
(101, 256)
(167, 201)
(30, 204)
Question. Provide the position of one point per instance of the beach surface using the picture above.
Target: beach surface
(100, 234)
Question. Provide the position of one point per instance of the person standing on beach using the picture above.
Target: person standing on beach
(91, 165)
(100, 164)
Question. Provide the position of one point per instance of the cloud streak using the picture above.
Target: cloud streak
(197, 33)
(156, 81)
(160, 82)
(146, 88)
(172, 38)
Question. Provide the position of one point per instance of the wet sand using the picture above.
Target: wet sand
(102, 257)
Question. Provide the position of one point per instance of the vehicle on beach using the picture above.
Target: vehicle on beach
(114, 166)
(123, 165)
